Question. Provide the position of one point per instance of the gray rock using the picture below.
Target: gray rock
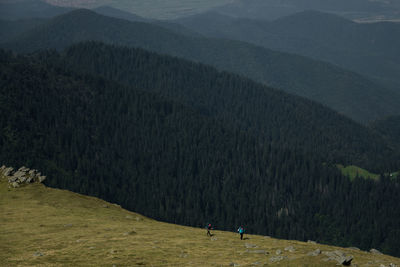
(277, 258)
(29, 180)
(8, 171)
(247, 245)
(392, 265)
(314, 253)
(23, 169)
(214, 239)
(19, 174)
(41, 178)
(22, 179)
(339, 257)
(15, 184)
(278, 252)
(38, 254)
(375, 251)
(346, 261)
(12, 179)
(312, 242)
(290, 249)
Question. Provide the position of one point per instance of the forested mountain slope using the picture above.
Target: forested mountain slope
(172, 162)
(371, 49)
(11, 29)
(319, 81)
(389, 128)
(272, 115)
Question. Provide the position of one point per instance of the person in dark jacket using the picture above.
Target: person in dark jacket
(209, 228)
(241, 232)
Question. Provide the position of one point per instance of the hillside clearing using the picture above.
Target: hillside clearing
(41, 226)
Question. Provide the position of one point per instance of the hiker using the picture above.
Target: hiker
(241, 232)
(209, 228)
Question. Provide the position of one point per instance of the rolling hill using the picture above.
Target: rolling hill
(47, 227)
(319, 81)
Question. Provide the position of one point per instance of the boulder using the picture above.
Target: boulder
(311, 242)
(314, 253)
(290, 249)
(278, 252)
(41, 179)
(247, 245)
(12, 179)
(23, 169)
(15, 184)
(339, 257)
(277, 258)
(19, 174)
(8, 171)
(375, 251)
(346, 261)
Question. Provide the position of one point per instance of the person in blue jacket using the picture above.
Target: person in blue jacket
(241, 232)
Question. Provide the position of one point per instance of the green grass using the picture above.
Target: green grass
(353, 171)
(69, 229)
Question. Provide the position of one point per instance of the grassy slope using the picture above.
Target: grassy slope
(352, 171)
(75, 230)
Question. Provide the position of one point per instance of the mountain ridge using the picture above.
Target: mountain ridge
(293, 73)
(368, 49)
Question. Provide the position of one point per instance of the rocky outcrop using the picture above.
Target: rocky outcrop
(375, 251)
(23, 175)
(338, 256)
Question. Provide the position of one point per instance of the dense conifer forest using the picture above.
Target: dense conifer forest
(176, 141)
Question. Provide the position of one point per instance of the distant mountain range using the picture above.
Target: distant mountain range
(319, 81)
(365, 10)
(27, 9)
(154, 9)
(369, 49)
